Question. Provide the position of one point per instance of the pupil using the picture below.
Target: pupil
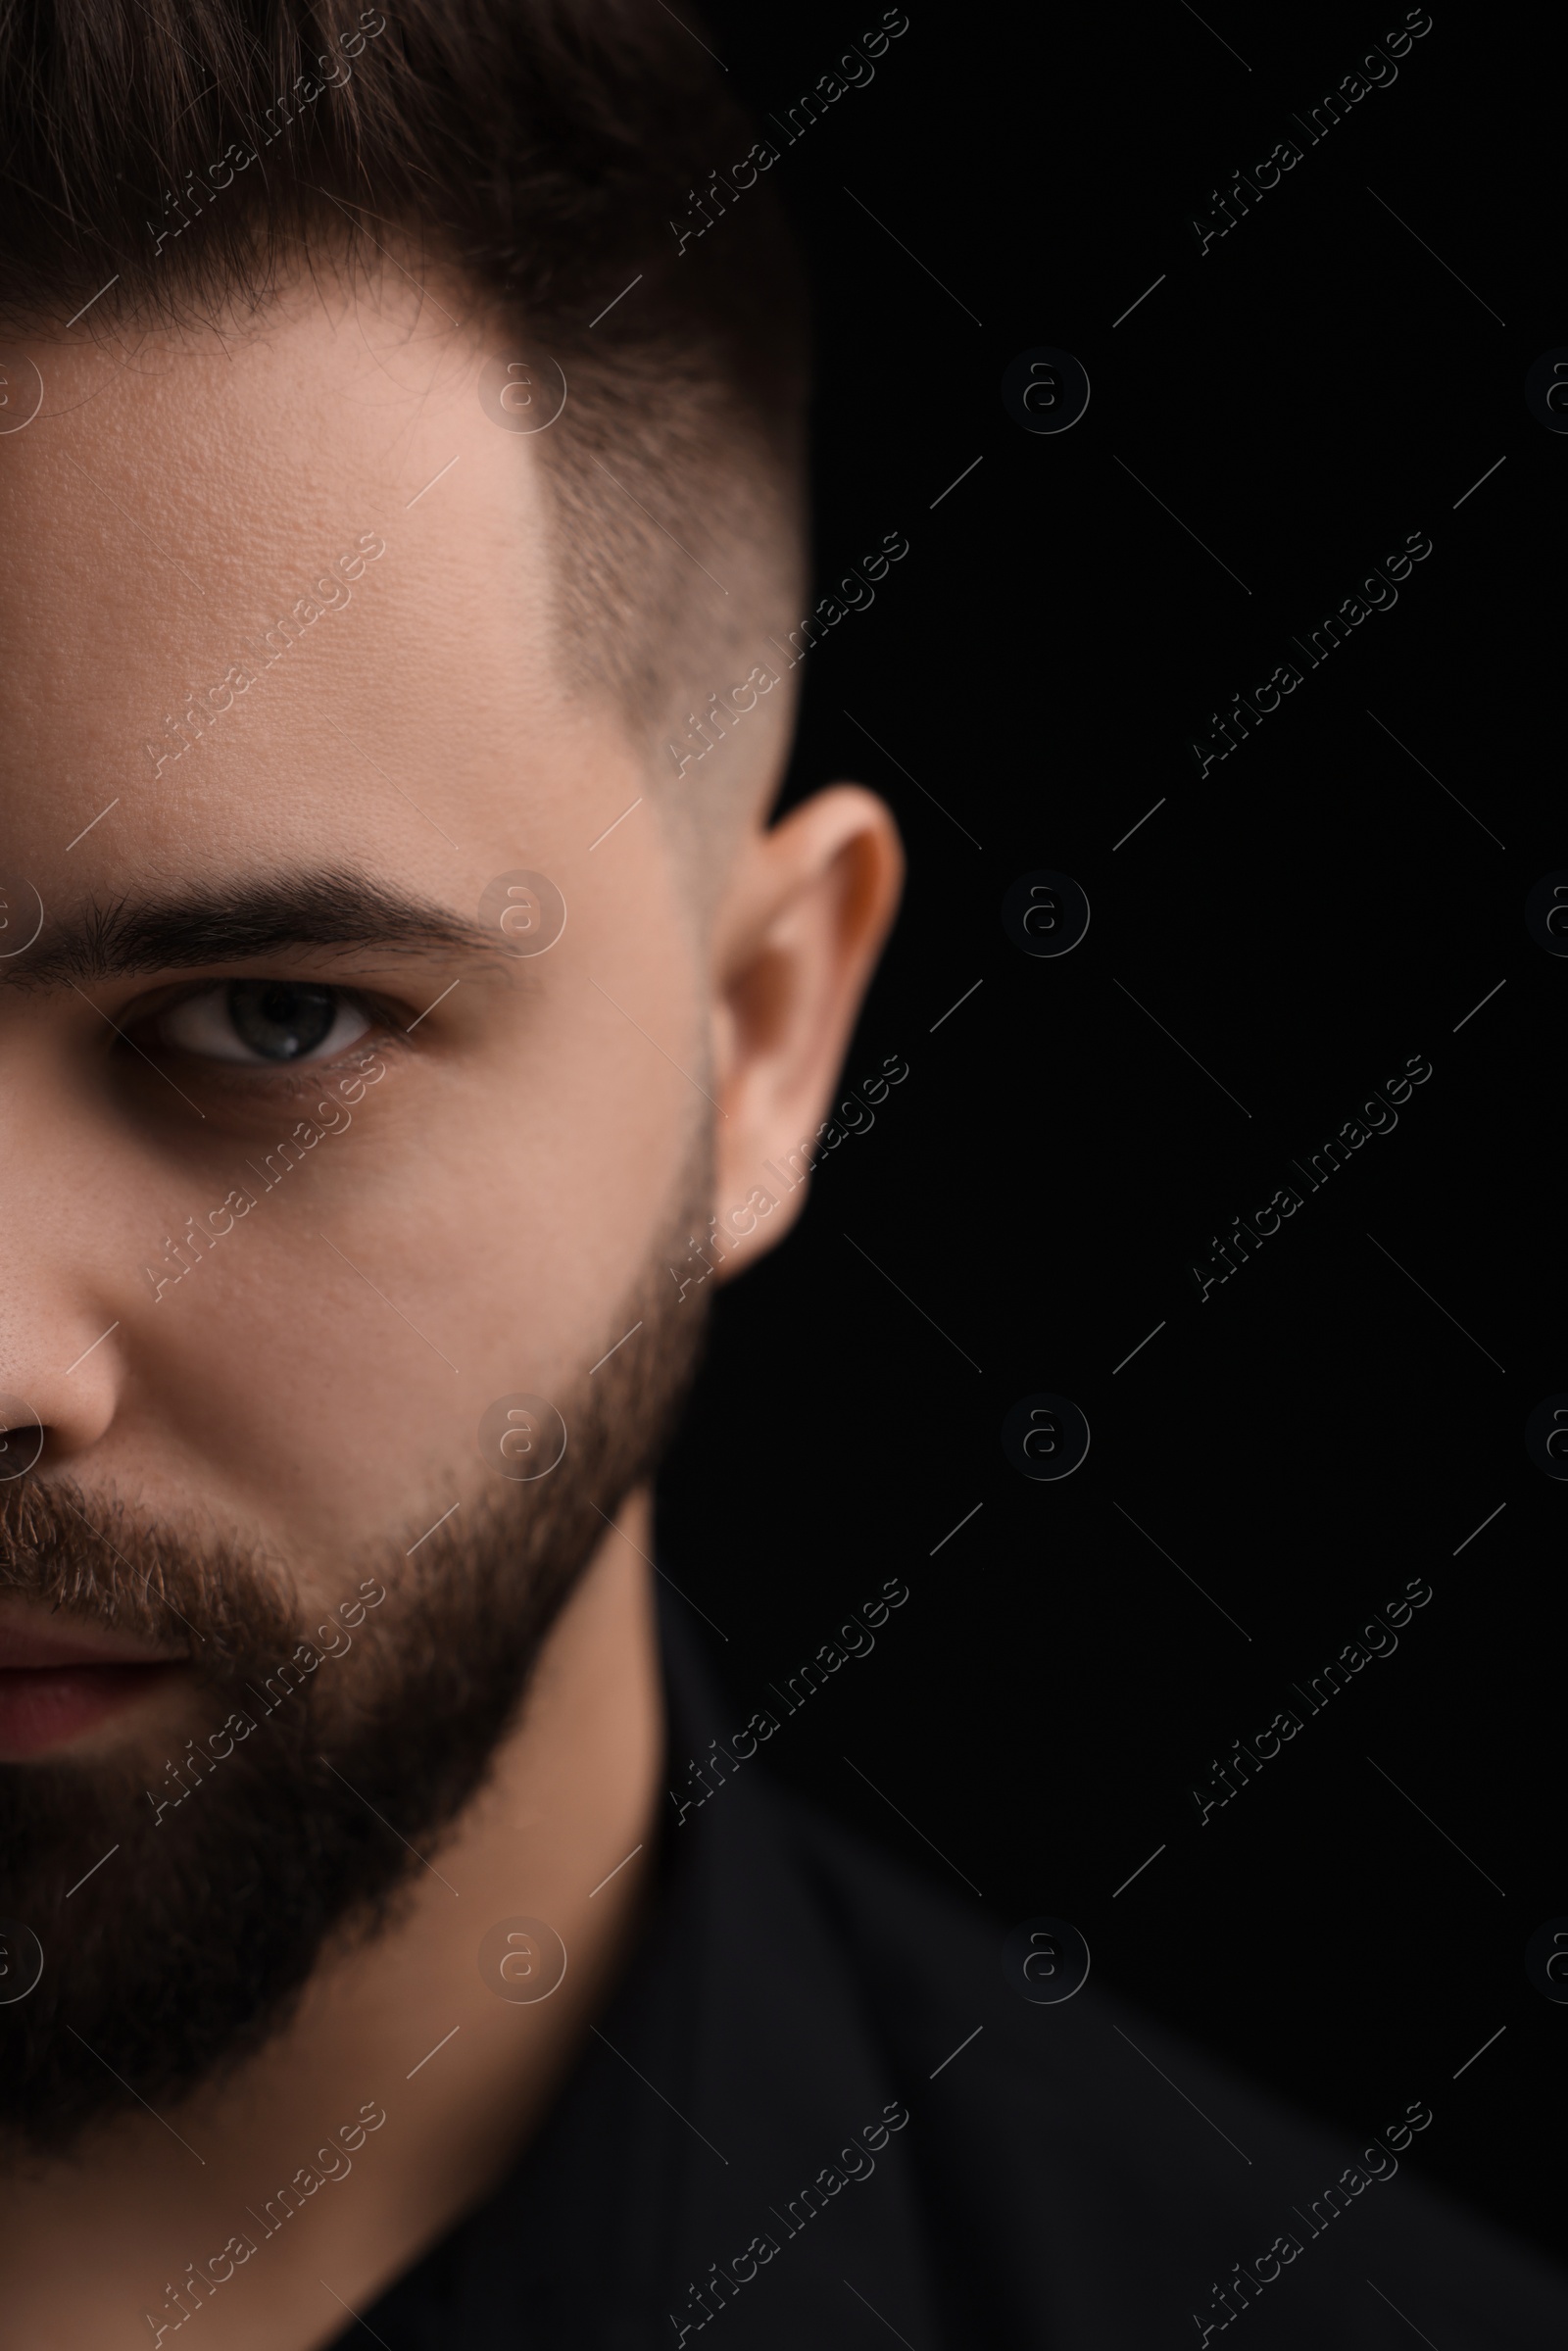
(280, 1018)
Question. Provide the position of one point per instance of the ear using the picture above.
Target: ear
(795, 939)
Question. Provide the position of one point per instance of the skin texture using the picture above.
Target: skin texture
(504, 1187)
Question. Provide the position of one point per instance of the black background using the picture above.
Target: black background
(1311, 914)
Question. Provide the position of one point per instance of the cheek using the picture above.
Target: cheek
(588, 1195)
(482, 1230)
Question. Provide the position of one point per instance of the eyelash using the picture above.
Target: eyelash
(385, 1024)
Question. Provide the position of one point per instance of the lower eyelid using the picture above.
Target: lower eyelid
(203, 1016)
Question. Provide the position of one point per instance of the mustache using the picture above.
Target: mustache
(104, 1564)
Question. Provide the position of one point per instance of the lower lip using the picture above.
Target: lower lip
(44, 1707)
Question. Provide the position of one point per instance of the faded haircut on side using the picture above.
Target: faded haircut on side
(556, 154)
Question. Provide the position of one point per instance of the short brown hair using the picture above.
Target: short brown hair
(186, 150)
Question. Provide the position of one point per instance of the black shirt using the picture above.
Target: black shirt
(818, 2114)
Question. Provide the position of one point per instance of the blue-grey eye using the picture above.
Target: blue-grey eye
(259, 1022)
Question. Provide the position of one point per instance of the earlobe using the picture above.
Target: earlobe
(796, 938)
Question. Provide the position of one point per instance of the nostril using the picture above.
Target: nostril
(20, 1437)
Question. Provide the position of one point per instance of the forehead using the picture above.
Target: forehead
(319, 501)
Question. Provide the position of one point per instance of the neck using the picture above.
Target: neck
(405, 2028)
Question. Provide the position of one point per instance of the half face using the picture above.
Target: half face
(361, 1069)
(379, 1064)
(309, 1158)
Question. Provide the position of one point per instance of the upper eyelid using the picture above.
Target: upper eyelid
(180, 992)
(389, 1023)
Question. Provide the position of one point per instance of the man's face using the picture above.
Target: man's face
(470, 1223)
(291, 1231)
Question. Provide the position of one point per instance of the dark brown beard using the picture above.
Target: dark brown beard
(190, 1947)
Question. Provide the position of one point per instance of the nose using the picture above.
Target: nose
(21, 1438)
(68, 1245)
(59, 1382)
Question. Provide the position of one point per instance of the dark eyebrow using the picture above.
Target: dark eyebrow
(235, 923)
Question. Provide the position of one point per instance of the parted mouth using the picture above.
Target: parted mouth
(56, 1683)
(31, 1641)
